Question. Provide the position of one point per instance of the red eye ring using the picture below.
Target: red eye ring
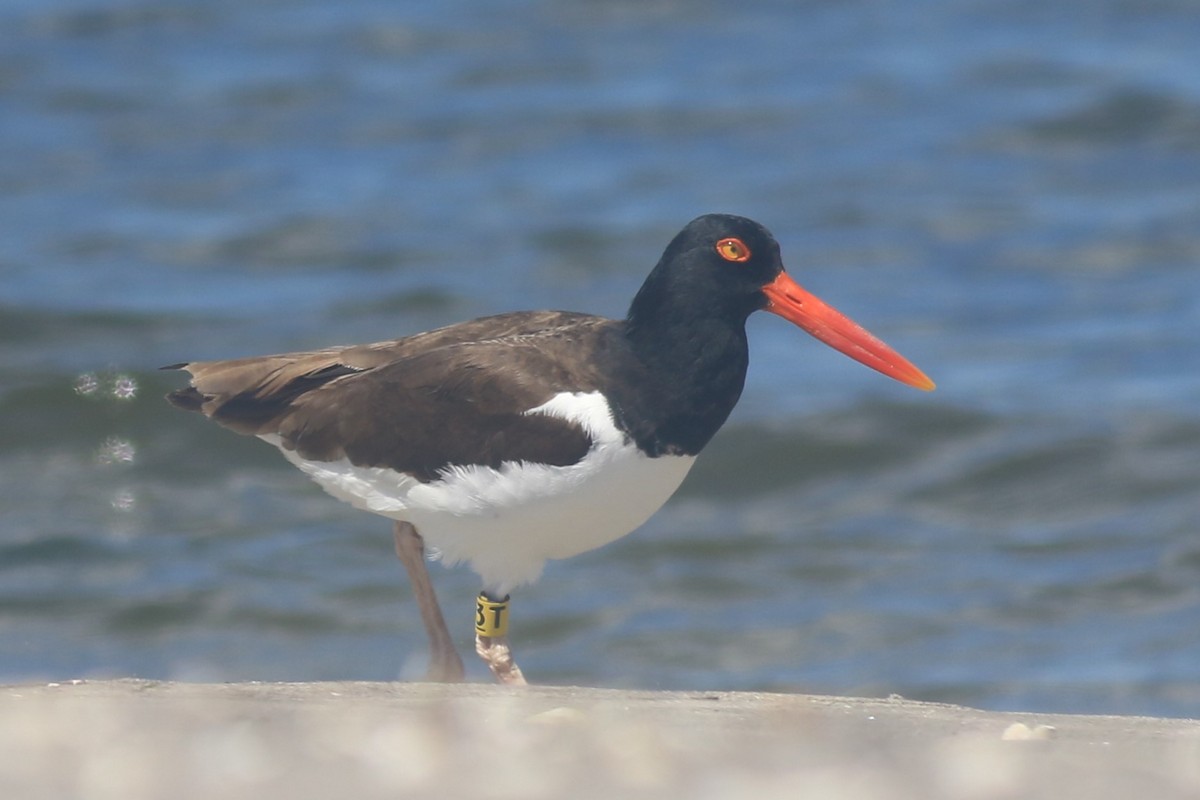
(732, 249)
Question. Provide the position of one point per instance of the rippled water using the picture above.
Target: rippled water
(1007, 192)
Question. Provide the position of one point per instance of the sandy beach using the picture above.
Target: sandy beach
(134, 739)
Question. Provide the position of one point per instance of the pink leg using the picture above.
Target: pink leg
(445, 665)
(495, 652)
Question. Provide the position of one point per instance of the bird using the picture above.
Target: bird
(511, 440)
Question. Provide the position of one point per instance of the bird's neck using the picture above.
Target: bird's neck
(694, 364)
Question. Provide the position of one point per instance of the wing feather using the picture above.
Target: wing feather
(454, 396)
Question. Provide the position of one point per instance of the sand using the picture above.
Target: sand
(131, 739)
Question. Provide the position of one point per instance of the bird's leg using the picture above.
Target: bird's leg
(445, 665)
(491, 639)
(496, 653)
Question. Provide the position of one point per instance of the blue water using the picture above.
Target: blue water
(1007, 192)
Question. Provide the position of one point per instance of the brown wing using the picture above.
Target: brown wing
(451, 396)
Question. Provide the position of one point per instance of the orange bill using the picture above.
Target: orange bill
(789, 300)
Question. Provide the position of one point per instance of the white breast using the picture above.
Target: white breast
(507, 522)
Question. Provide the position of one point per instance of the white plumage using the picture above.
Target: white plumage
(506, 523)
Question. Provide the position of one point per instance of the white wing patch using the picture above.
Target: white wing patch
(507, 522)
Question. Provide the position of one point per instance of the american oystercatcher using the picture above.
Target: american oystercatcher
(510, 440)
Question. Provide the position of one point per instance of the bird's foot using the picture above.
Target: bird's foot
(496, 653)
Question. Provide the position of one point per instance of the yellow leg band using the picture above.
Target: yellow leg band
(491, 616)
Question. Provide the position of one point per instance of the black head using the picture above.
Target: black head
(716, 266)
(720, 269)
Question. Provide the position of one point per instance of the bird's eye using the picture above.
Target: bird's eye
(733, 250)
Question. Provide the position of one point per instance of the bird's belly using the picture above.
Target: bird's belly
(507, 522)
